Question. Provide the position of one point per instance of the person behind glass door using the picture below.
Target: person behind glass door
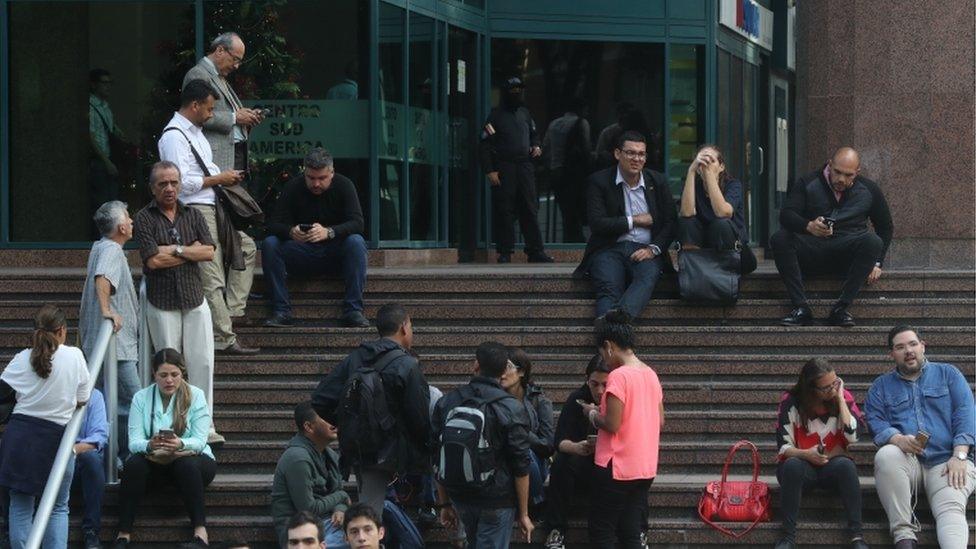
(712, 211)
(818, 419)
(566, 149)
(168, 425)
(628, 423)
(517, 381)
(51, 380)
(103, 173)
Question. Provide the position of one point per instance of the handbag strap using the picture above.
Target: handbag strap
(724, 530)
(735, 448)
(200, 162)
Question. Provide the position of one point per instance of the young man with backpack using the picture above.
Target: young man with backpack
(379, 399)
(482, 463)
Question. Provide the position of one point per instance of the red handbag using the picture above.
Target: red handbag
(735, 501)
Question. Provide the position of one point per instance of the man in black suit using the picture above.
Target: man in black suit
(632, 219)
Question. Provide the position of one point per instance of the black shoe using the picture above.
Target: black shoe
(504, 258)
(540, 257)
(785, 544)
(280, 320)
(840, 317)
(355, 319)
(120, 543)
(906, 544)
(801, 316)
(237, 349)
(196, 542)
(91, 540)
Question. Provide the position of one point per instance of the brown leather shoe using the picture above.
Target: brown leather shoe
(237, 349)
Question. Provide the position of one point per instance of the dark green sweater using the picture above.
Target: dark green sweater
(305, 480)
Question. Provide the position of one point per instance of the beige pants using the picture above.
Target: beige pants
(898, 477)
(191, 333)
(226, 292)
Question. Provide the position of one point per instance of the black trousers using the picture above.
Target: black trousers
(617, 509)
(850, 255)
(516, 196)
(569, 476)
(719, 235)
(839, 475)
(189, 474)
(570, 191)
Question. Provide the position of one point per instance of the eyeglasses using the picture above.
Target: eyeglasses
(829, 388)
(638, 155)
(175, 235)
(511, 366)
(237, 58)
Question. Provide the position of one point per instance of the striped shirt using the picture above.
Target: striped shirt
(174, 288)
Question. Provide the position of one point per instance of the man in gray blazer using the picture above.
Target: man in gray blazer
(226, 131)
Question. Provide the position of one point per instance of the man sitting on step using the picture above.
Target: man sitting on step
(316, 228)
(307, 478)
(825, 231)
(921, 415)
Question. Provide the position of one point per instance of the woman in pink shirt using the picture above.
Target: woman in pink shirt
(628, 423)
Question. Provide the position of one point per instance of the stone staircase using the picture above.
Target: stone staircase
(723, 369)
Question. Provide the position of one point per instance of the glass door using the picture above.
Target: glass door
(464, 181)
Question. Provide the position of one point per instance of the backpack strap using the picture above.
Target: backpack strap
(385, 360)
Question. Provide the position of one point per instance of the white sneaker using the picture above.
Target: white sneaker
(555, 540)
(643, 540)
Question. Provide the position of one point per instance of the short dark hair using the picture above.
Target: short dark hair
(492, 358)
(195, 91)
(304, 413)
(318, 158)
(95, 75)
(361, 510)
(522, 361)
(389, 319)
(893, 333)
(630, 135)
(616, 328)
(302, 518)
(597, 364)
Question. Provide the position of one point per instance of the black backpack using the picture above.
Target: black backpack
(466, 458)
(366, 425)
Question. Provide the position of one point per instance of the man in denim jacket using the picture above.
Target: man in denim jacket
(934, 398)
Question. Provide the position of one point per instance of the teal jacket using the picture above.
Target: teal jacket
(305, 480)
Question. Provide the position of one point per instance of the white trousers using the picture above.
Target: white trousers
(191, 333)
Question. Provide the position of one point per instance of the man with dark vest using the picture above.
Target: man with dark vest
(509, 142)
(825, 231)
(632, 218)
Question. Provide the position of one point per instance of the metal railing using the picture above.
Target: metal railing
(103, 354)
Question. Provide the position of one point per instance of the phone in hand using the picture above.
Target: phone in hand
(581, 402)
(820, 448)
(167, 433)
(304, 227)
(922, 438)
(829, 221)
(591, 440)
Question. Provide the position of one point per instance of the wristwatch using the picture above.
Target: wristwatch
(179, 250)
(962, 456)
(331, 232)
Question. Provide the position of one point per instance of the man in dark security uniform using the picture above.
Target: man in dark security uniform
(509, 142)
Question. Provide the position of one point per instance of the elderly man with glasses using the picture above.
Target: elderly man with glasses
(632, 218)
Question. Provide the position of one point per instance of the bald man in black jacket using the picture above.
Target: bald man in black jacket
(825, 230)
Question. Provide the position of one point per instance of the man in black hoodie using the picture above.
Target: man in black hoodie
(488, 509)
(825, 230)
(407, 398)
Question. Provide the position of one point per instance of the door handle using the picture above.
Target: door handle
(762, 160)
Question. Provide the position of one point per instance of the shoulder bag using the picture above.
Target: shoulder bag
(709, 276)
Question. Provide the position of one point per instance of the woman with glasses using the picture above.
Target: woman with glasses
(712, 210)
(517, 381)
(817, 421)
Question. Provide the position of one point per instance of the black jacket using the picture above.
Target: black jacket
(607, 214)
(508, 136)
(538, 409)
(508, 437)
(408, 398)
(338, 207)
(573, 425)
(811, 197)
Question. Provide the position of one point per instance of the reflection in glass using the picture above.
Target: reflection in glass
(392, 122)
(622, 87)
(687, 116)
(465, 181)
(422, 152)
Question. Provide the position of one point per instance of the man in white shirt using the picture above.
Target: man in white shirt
(226, 289)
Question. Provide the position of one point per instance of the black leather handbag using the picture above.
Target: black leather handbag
(709, 276)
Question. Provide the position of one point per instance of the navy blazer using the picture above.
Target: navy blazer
(607, 215)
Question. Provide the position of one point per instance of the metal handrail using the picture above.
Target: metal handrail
(104, 352)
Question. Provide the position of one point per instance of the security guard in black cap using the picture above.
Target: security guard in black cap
(509, 142)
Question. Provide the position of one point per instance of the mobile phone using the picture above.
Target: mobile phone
(922, 438)
(829, 221)
(591, 440)
(820, 448)
(581, 402)
(304, 227)
(265, 113)
(167, 433)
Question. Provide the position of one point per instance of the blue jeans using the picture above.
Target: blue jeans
(21, 516)
(538, 471)
(334, 536)
(345, 256)
(486, 528)
(90, 476)
(129, 384)
(622, 283)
